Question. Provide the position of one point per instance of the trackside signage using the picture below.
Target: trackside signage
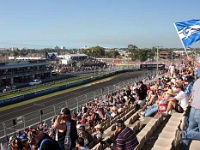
(152, 66)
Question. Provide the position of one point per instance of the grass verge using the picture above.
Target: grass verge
(50, 95)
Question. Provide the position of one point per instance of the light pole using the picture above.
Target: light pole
(157, 48)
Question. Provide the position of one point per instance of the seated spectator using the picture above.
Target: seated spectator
(126, 138)
(25, 142)
(101, 113)
(154, 108)
(142, 93)
(113, 111)
(80, 144)
(152, 96)
(98, 134)
(44, 142)
(180, 102)
(121, 109)
(15, 143)
(82, 132)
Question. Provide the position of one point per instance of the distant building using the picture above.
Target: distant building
(56, 47)
(62, 47)
(13, 48)
(24, 71)
(70, 58)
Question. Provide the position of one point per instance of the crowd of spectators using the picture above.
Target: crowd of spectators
(87, 119)
(71, 130)
(89, 64)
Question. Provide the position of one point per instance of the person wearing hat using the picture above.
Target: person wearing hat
(160, 102)
(25, 142)
(98, 134)
(180, 102)
(126, 137)
(66, 132)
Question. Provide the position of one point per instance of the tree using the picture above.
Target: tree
(132, 47)
(96, 51)
(143, 55)
(112, 54)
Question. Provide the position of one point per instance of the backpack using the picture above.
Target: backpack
(47, 139)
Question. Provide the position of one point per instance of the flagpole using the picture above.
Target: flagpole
(181, 40)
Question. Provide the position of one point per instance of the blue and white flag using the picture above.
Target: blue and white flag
(188, 31)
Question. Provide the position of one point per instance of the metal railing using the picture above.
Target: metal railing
(33, 118)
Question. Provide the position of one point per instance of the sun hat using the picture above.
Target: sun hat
(170, 91)
(98, 126)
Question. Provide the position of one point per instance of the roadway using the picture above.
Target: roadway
(32, 110)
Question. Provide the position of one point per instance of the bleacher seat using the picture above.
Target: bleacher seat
(164, 143)
(141, 139)
(195, 145)
(171, 129)
(166, 135)
(160, 148)
(173, 123)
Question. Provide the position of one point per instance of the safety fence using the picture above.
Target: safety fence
(10, 126)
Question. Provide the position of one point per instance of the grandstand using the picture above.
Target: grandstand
(155, 132)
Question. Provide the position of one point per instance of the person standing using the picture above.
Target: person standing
(192, 132)
(172, 70)
(66, 132)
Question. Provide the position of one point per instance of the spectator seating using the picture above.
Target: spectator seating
(166, 137)
(148, 130)
(133, 123)
(194, 145)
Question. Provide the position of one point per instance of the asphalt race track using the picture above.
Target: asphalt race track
(26, 109)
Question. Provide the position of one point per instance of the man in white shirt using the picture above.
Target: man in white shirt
(179, 102)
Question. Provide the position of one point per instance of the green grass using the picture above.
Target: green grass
(43, 87)
(49, 95)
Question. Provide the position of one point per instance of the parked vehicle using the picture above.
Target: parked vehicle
(35, 82)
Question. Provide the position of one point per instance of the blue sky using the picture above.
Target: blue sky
(107, 23)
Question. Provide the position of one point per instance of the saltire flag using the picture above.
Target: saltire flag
(188, 31)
